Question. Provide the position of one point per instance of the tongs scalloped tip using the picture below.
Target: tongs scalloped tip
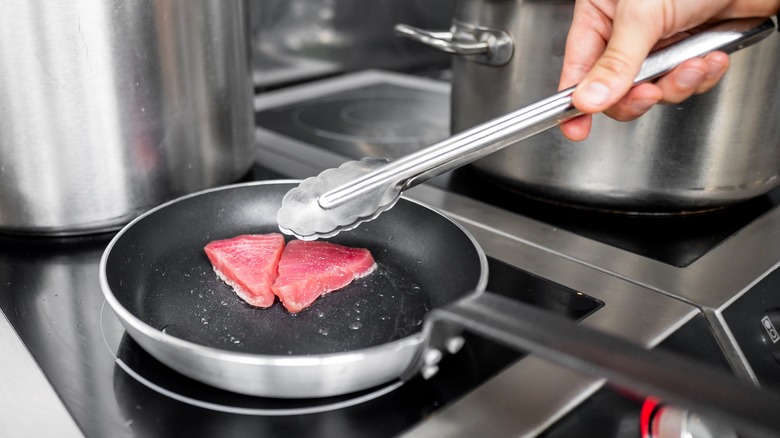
(302, 215)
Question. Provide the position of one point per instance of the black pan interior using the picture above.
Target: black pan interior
(158, 271)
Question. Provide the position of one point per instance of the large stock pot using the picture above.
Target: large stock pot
(110, 108)
(713, 150)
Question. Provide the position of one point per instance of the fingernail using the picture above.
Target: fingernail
(643, 105)
(595, 93)
(690, 77)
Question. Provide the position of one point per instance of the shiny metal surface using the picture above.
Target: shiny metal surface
(50, 293)
(353, 120)
(112, 108)
(56, 304)
(34, 408)
(658, 374)
(673, 422)
(59, 296)
(711, 283)
(276, 376)
(713, 150)
(491, 46)
(302, 214)
(528, 397)
(339, 199)
(277, 365)
(631, 288)
(294, 40)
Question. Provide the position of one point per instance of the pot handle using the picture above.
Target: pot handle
(659, 374)
(485, 44)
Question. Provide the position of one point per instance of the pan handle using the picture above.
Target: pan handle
(669, 377)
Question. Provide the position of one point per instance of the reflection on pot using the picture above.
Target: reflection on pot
(295, 40)
(114, 107)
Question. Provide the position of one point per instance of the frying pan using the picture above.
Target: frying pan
(157, 279)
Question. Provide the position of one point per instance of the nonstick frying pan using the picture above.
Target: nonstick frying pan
(429, 285)
(157, 279)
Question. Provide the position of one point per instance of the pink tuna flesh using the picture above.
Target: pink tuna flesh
(309, 269)
(248, 264)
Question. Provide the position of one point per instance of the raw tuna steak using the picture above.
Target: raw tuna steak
(309, 269)
(248, 264)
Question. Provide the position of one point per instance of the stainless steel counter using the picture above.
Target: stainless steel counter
(29, 406)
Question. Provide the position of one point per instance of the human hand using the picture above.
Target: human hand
(609, 39)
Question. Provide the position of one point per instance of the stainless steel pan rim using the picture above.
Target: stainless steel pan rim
(275, 375)
(246, 358)
(140, 327)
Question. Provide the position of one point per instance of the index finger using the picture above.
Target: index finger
(588, 34)
(634, 33)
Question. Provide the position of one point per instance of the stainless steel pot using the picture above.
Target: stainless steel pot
(713, 150)
(110, 108)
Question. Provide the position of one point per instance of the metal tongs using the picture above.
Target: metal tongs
(340, 199)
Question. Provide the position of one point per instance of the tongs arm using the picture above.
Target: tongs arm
(525, 122)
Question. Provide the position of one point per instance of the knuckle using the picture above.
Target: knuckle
(616, 63)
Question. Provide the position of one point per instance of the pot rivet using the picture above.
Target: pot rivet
(429, 371)
(454, 344)
(432, 357)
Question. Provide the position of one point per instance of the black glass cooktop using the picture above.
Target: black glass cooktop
(386, 120)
